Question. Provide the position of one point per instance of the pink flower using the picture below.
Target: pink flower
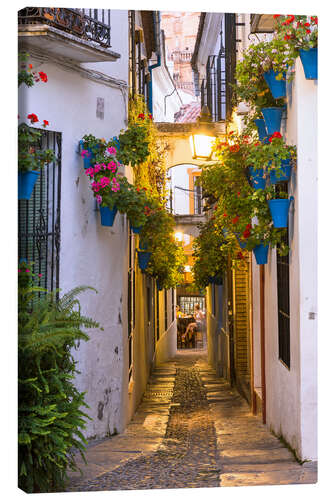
(19, 270)
(112, 150)
(40, 275)
(112, 166)
(27, 270)
(84, 153)
(90, 171)
(105, 181)
(95, 186)
(98, 199)
(97, 168)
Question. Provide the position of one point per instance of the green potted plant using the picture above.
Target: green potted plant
(51, 413)
(31, 159)
(300, 34)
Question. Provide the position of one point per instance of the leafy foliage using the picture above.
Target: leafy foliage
(50, 416)
(31, 156)
(211, 249)
(238, 204)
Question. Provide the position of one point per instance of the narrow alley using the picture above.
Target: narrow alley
(191, 430)
(167, 249)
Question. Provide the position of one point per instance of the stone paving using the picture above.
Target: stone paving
(191, 430)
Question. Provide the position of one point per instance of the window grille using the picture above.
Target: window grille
(187, 303)
(165, 310)
(216, 87)
(283, 298)
(39, 218)
(130, 303)
(157, 314)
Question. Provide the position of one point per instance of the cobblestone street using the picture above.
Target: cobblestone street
(190, 431)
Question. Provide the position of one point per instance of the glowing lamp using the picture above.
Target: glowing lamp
(202, 139)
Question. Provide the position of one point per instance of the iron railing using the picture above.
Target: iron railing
(282, 268)
(89, 24)
(216, 87)
(39, 218)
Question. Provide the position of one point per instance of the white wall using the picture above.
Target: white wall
(292, 393)
(89, 253)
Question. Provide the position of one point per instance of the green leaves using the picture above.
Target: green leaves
(31, 156)
(50, 407)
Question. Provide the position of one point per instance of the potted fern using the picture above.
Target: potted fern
(51, 413)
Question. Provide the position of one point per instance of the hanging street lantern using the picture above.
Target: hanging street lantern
(202, 138)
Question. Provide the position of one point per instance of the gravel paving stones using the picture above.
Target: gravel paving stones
(191, 430)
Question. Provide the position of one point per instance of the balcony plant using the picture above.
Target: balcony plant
(31, 156)
(31, 159)
(51, 413)
(300, 34)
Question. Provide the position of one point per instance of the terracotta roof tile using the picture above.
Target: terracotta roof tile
(188, 113)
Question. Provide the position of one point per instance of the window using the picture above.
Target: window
(213, 300)
(39, 218)
(157, 314)
(165, 310)
(173, 304)
(216, 88)
(283, 306)
(283, 298)
(187, 303)
(130, 303)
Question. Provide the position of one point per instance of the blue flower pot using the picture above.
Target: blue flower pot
(272, 117)
(261, 130)
(136, 230)
(143, 246)
(279, 211)
(277, 87)
(258, 181)
(107, 215)
(144, 258)
(87, 160)
(117, 143)
(261, 253)
(159, 286)
(309, 60)
(26, 184)
(283, 174)
(241, 243)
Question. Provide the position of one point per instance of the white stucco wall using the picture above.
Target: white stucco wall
(90, 254)
(292, 393)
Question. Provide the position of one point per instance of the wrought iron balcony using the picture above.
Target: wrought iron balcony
(72, 21)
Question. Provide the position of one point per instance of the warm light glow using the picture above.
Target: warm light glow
(201, 146)
(179, 236)
(187, 269)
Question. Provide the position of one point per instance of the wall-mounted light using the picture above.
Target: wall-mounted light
(202, 139)
(179, 236)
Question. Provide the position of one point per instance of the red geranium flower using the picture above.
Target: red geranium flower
(43, 76)
(138, 190)
(234, 148)
(276, 16)
(45, 123)
(240, 255)
(225, 214)
(33, 118)
(235, 219)
(276, 135)
(141, 116)
(150, 117)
